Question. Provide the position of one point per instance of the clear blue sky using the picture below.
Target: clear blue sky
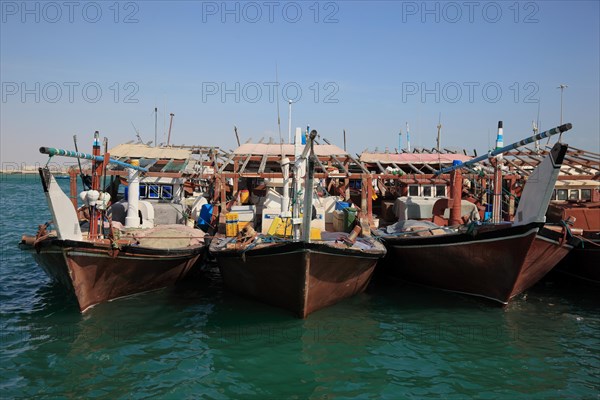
(375, 58)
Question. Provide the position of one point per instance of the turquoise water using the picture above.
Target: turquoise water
(198, 340)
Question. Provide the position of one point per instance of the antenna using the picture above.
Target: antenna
(278, 119)
(170, 126)
(290, 121)
(400, 141)
(439, 133)
(535, 131)
(155, 126)
(407, 138)
(439, 128)
(137, 133)
(562, 87)
(536, 128)
(277, 99)
(236, 135)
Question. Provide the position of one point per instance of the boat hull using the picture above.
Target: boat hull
(583, 262)
(95, 273)
(491, 264)
(547, 250)
(300, 277)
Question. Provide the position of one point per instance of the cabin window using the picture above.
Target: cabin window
(427, 192)
(143, 191)
(440, 190)
(561, 194)
(586, 194)
(413, 190)
(574, 194)
(153, 191)
(167, 192)
(553, 195)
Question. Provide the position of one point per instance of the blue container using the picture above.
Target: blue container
(340, 205)
(205, 216)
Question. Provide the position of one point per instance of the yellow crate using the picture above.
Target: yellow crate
(315, 234)
(281, 228)
(242, 224)
(285, 229)
(231, 224)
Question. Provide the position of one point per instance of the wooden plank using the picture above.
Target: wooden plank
(418, 171)
(339, 164)
(227, 162)
(249, 156)
(263, 163)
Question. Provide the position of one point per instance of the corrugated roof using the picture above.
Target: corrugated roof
(324, 150)
(139, 150)
(413, 158)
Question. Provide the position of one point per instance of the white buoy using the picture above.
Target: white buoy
(133, 220)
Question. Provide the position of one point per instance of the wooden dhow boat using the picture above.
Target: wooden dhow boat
(110, 260)
(493, 261)
(301, 273)
(583, 262)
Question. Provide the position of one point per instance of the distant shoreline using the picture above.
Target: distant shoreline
(31, 172)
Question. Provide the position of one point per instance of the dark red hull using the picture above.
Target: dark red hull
(96, 274)
(300, 277)
(583, 262)
(547, 250)
(495, 263)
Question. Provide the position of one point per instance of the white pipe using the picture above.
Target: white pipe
(308, 158)
(299, 172)
(308, 195)
(285, 200)
(133, 220)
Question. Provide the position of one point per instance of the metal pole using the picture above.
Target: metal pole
(236, 135)
(170, 126)
(308, 187)
(86, 156)
(155, 126)
(523, 142)
(561, 87)
(290, 122)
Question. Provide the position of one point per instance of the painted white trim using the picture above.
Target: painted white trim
(462, 243)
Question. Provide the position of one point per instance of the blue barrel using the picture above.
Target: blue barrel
(205, 216)
(340, 205)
